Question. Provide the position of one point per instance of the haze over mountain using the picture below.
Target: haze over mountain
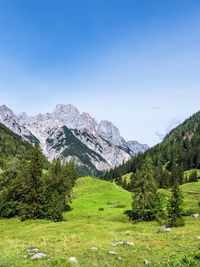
(66, 132)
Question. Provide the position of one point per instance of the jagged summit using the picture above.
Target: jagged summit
(67, 132)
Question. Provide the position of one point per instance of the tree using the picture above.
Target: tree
(175, 207)
(59, 184)
(193, 177)
(32, 189)
(144, 193)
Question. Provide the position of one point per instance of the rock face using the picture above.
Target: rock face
(136, 147)
(8, 118)
(67, 132)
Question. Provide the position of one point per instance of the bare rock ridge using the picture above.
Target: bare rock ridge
(67, 132)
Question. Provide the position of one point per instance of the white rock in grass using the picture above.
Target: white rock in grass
(119, 258)
(93, 248)
(198, 237)
(146, 262)
(196, 215)
(73, 259)
(123, 242)
(38, 256)
(113, 252)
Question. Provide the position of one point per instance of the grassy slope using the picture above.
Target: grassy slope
(86, 226)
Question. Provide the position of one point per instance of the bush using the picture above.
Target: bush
(148, 215)
(101, 209)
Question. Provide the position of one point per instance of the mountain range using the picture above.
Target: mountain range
(68, 133)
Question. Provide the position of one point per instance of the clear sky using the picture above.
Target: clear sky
(134, 62)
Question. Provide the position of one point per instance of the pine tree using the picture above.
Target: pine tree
(32, 189)
(175, 207)
(144, 193)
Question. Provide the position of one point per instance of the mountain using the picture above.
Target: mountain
(66, 132)
(181, 146)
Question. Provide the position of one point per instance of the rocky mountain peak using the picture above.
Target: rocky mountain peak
(10, 120)
(67, 132)
(65, 110)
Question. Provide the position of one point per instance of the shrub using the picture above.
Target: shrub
(101, 209)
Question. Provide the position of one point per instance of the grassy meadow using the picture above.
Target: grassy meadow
(97, 220)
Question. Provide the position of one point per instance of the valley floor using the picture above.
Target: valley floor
(86, 226)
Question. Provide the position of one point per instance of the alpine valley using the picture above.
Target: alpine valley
(67, 133)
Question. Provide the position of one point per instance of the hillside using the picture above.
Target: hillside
(12, 148)
(14, 151)
(181, 146)
(86, 226)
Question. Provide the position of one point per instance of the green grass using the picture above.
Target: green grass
(86, 226)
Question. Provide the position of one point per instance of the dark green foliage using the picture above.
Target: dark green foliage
(145, 200)
(8, 209)
(55, 207)
(175, 207)
(59, 184)
(32, 188)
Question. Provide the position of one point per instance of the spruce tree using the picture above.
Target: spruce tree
(32, 189)
(144, 193)
(175, 207)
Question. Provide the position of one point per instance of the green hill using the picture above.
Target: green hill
(86, 226)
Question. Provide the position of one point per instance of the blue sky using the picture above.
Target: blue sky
(134, 62)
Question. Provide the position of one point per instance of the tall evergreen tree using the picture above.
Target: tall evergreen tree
(32, 191)
(175, 207)
(144, 193)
